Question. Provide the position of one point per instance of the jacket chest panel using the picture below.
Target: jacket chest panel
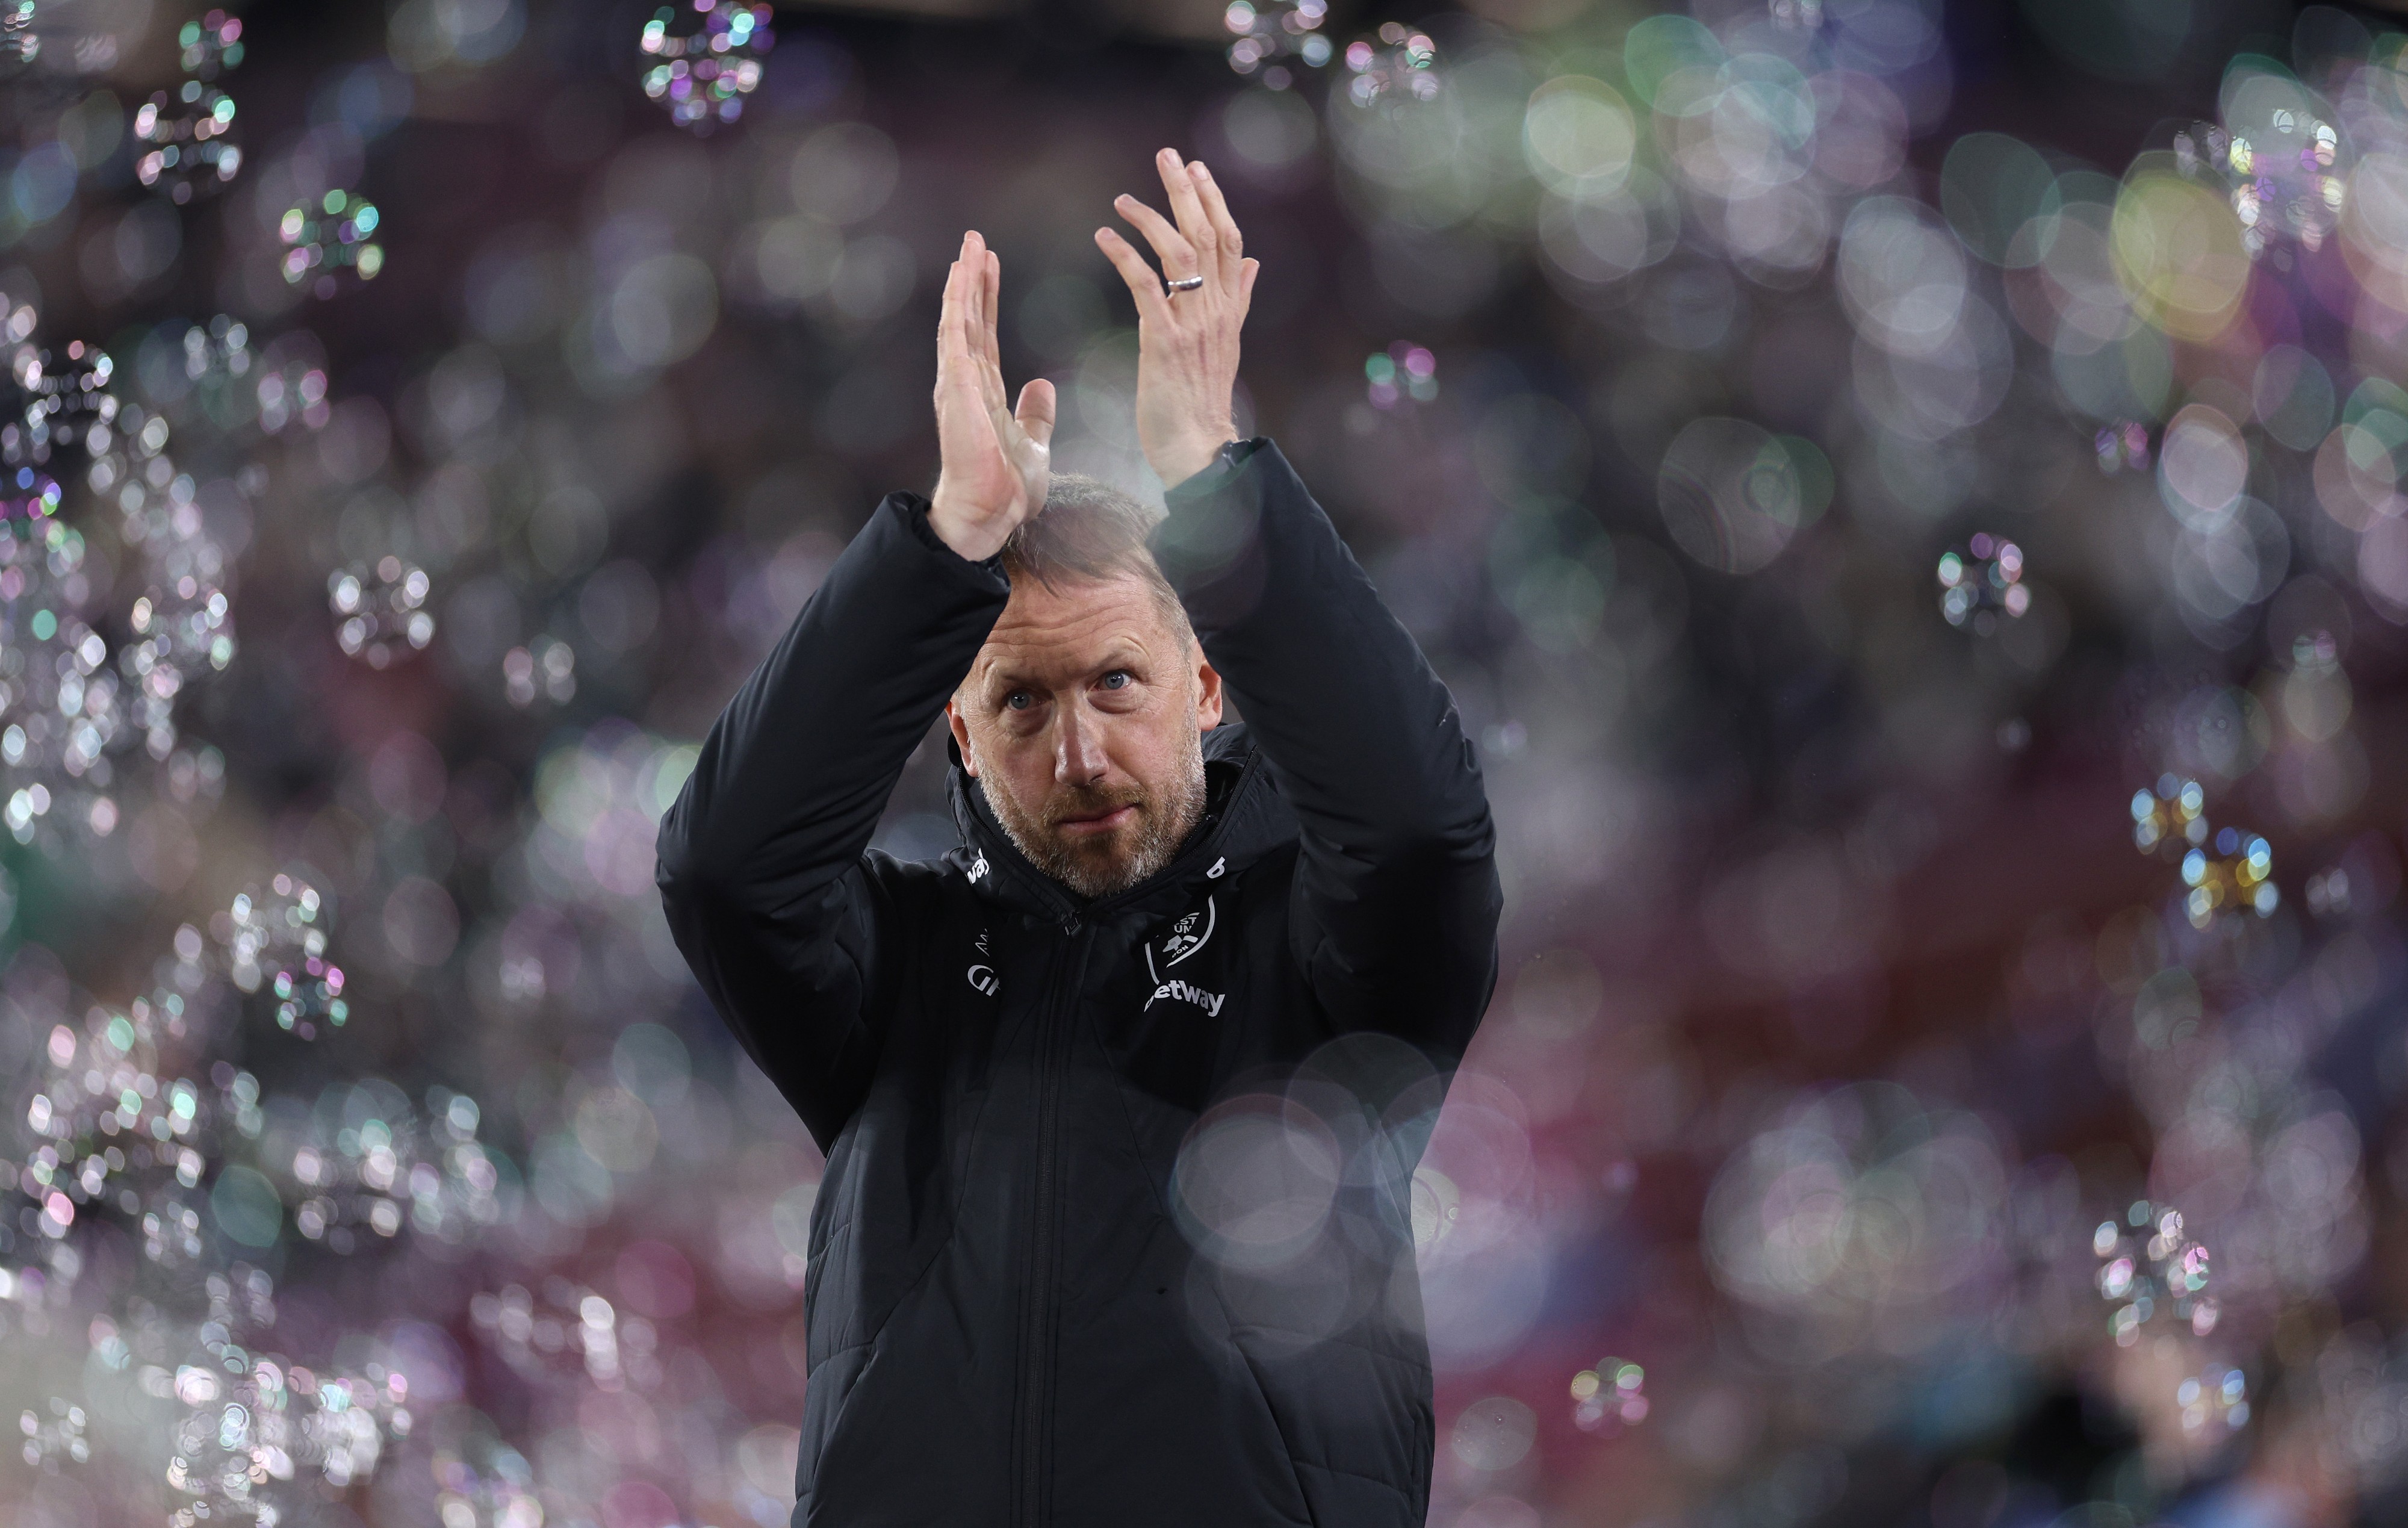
(1181, 992)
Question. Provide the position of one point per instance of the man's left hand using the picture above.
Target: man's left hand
(1188, 341)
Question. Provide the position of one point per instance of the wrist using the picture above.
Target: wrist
(1191, 454)
(973, 535)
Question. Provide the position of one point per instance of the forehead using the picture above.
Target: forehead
(1073, 627)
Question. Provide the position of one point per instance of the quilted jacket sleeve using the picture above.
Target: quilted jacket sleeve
(763, 870)
(1397, 898)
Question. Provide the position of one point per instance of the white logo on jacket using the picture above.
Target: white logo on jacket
(985, 979)
(1188, 935)
(1188, 992)
(1191, 933)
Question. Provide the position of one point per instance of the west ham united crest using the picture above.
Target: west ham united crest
(1191, 933)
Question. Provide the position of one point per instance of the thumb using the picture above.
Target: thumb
(1036, 410)
(1249, 268)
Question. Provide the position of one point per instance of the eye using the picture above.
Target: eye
(1020, 700)
(1118, 680)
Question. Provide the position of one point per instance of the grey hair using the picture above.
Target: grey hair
(1089, 531)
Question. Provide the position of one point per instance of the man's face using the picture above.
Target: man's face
(1083, 718)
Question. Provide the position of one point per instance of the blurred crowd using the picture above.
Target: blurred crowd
(1907, 497)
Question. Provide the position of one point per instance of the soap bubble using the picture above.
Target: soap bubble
(1981, 581)
(1609, 1395)
(190, 147)
(381, 611)
(1269, 33)
(710, 60)
(334, 234)
(1397, 61)
(275, 943)
(2148, 1267)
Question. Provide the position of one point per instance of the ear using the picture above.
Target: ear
(961, 727)
(1208, 692)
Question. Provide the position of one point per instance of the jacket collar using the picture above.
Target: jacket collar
(1244, 817)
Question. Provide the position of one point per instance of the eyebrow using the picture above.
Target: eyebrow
(1124, 654)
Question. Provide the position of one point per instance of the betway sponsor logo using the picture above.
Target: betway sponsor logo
(1188, 992)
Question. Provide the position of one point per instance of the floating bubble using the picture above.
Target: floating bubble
(710, 59)
(118, 1131)
(1403, 372)
(2150, 1267)
(1732, 494)
(54, 1434)
(2215, 1400)
(291, 386)
(370, 1166)
(275, 943)
(1609, 1396)
(571, 1326)
(28, 495)
(2277, 155)
(211, 44)
(546, 668)
(1495, 1434)
(2123, 447)
(2238, 877)
(69, 409)
(381, 611)
(2224, 871)
(1982, 580)
(64, 708)
(189, 133)
(218, 353)
(1859, 1204)
(20, 43)
(1268, 35)
(333, 235)
(2171, 817)
(257, 1435)
(1397, 61)
(181, 625)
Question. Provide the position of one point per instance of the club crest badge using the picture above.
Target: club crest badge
(1190, 934)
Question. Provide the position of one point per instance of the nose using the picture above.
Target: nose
(1078, 748)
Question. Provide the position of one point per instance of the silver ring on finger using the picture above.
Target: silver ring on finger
(1186, 283)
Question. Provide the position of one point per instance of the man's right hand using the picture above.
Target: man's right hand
(996, 460)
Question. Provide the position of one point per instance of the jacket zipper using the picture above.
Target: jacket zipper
(1038, 1328)
(1036, 1373)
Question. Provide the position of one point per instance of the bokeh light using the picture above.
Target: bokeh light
(1851, 460)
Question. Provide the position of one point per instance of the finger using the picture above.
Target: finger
(1143, 284)
(1247, 272)
(975, 324)
(1232, 244)
(946, 306)
(1189, 210)
(1036, 410)
(993, 296)
(949, 322)
(973, 286)
(1170, 246)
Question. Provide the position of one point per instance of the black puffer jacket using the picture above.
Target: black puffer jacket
(1116, 1222)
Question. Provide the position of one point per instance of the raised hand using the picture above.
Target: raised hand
(1188, 341)
(995, 459)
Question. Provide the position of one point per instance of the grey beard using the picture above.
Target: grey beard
(1164, 823)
